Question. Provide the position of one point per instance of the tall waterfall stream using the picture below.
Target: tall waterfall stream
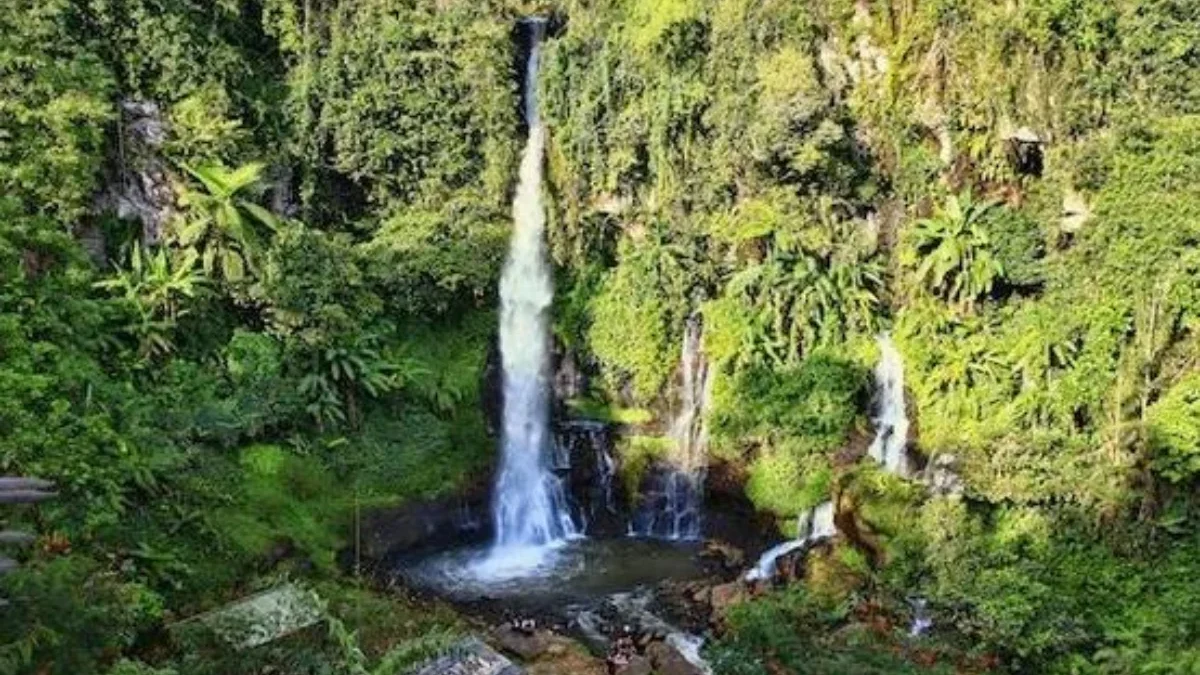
(530, 507)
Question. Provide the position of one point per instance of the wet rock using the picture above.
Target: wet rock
(524, 643)
(438, 522)
(1025, 151)
(724, 596)
(570, 381)
(584, 454)
(942, 476)
(667, 660)
(140, 186)
(564, 658)
(623, 655)
(469, 657)
(729, 515)
(728, 556)
(635, 665)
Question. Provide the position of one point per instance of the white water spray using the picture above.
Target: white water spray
(889, 448)
(891, 421)
(529, 505)
(812, 526)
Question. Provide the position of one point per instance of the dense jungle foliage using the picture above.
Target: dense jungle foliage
(1008, 188)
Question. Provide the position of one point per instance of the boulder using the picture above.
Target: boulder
(258, 619)
(667, 660)
(140, 186)
(728, 556)
(635, 665)
(725, 596)
(942, 476)
(437, 522)
(527, 645)
(468, 657)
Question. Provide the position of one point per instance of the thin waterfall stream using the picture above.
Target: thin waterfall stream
(889, 447)
(673, 502)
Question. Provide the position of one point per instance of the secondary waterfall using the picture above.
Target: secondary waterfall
(891, 420)
(529, 504)
(672, 504)
(889, 448)
(812, 526)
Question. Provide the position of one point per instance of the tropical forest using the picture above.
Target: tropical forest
(599, 337)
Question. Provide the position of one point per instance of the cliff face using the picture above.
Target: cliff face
(995, 184)
(804, 176)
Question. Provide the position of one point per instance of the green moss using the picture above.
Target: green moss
(637, 455)
(788, 480)
(604, 412)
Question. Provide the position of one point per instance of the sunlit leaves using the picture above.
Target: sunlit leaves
(155, 287)
(222, 226)
(791, 303)
(1174, 423)
(952, 252)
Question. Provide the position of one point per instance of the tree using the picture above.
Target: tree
(225, 230)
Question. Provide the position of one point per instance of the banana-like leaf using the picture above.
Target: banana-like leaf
(263, 216)
(232, 265)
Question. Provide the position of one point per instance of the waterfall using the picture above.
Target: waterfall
(529, 504)
(583, 456)
(889, 448)
(672, 506)
(891, 420)
(812, 526)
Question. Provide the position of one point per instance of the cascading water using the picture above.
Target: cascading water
(889, 448)
(891, 421)
(529, 505)
(583, 456)
(672, 505)
(812, 526)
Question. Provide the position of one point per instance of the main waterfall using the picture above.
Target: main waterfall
(529, 504)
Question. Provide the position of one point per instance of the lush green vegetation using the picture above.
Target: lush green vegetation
(215, 408)
(307, 335)
(1001, 185)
